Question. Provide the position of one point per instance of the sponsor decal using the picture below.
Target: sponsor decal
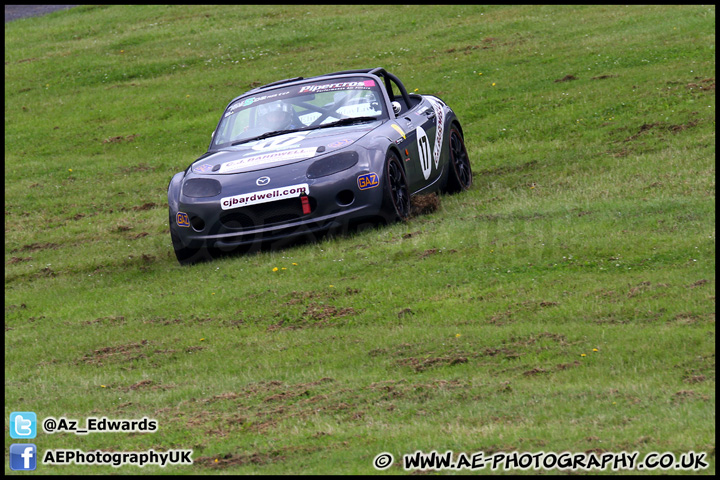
(182, 219)
(264, 196)
(398, 129)
(438, 106)
(368, 180)
(337, 86)
(424, 151)
(237, 165)
(283, 141)
(204, 168)
(340, 143)
(262, 181)
(251, 100)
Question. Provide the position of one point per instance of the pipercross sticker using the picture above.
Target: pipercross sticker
(297, 154)
(264, 196)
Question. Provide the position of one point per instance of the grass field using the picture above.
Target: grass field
(566, 302)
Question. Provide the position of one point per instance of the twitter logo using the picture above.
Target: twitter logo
(23, 425)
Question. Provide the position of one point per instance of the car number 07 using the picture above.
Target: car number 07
(424, 151)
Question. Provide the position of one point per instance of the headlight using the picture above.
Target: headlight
(201, 187)
(332, 164)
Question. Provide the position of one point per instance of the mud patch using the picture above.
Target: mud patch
(118, 353)
(314, 315)
(120, 139)
(703, 85)
(566, 78)
(15, 260)
(424, 204)
(422, 364)
(34, 247)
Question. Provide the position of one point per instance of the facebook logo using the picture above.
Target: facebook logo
(23, 425)
(23, 456)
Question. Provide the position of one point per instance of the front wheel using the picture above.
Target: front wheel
(396, 194)
(459, 173)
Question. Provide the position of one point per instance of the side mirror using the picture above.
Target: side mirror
(396, 107)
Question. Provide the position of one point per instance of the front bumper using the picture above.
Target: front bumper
(335, 202)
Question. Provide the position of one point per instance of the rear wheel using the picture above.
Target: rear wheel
(396, 201)
(459, 173)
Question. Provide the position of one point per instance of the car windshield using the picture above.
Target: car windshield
(305, 106)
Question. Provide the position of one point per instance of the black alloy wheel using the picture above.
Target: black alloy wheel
(397, 193)
(460, 174)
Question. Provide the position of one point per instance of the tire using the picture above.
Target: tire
(396, 193)
(460, 172)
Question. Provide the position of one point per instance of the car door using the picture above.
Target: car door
(421, 163)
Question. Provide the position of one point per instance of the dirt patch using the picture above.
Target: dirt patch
(684, 395)
(111, 320)
(123, 353)
(535, 371)
(146, 206)
(699, 283)
(315, 315)
(120, 139)
(14, 260)
(566, 366)
(424, 204)
(421, 364)
(34, 247)
(566, 78)
(706, 84)
(405, 312)
(647, 127)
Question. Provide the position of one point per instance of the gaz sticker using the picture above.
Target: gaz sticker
(183, 220)
(368, 180)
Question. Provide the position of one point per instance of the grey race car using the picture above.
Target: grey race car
(305, 156)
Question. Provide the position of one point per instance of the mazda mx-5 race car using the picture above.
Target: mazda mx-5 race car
(305, 156)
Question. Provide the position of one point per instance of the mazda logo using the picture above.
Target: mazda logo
(262, 181)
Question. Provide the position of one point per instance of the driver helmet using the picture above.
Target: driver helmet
(276, 115)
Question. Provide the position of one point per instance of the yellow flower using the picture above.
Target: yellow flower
(416, 90)
(493, 84)
(480, 73)
(595, 349)
(103, 386)
(295, 264)
(583, 355)
(457, 335)
(283, 268)
(202, 339)
(331, 286)
(275, 269)
(69, 169)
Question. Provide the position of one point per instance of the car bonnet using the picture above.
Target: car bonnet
(277, 151)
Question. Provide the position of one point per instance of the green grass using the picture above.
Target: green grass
(565, 303)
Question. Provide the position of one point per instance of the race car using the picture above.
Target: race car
(302, 157)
